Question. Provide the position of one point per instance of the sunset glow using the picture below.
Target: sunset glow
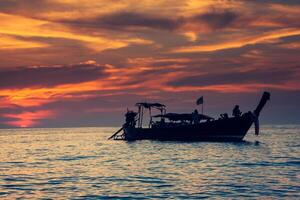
(68, 62)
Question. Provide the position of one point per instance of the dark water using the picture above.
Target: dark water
(79, 163)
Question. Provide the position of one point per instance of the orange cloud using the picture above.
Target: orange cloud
(38, 96)
(29, 28)
(141, 48)
(238, 43)
(290, 45)
(28, 119)
(7, 43)
(287, 9)
(234, 88)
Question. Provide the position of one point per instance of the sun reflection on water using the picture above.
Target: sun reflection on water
(81, 163)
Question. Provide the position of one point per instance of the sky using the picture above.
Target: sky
(67, 63)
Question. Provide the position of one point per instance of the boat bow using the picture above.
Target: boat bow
(255, 114)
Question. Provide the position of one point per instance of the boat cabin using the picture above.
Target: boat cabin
(163, 119)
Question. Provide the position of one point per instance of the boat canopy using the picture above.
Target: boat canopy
(142, 105)
(183, 116)
(150, 105)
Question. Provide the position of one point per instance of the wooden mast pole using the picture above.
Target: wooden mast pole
(142, 117)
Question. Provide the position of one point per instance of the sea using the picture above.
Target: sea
(80, 163)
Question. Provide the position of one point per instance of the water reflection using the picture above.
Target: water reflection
(80, 163)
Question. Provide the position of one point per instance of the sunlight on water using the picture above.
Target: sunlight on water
(80, 163)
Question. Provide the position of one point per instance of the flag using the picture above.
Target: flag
(199, 101)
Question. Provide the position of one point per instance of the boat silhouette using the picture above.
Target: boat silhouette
(188, 126)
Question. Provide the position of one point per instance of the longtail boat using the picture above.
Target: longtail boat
(188, 126)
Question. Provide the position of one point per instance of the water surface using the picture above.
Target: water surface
(79, 163)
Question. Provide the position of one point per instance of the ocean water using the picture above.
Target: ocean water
(79, 163)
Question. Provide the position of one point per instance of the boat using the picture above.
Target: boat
(188, 126)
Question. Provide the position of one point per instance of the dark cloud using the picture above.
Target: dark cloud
(214, 19)
(287, 2)
(50, 75)
(217, 19)
(139, 20)
(94, 111)
(126, 20)
(31, 7)
(254, 76)
(123, 20)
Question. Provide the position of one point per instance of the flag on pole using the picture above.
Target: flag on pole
(199, 101)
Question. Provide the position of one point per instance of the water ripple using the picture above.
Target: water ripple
(79, 163)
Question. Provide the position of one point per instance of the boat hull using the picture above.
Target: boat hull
(230, 129)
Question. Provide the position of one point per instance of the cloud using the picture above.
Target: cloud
(31, 7)
(217, 19)
(19, 26)
(287, 2)
(240, 42)
(27, 119)
(128, 20)
(50, 76)
(275, 76)
(144, 51)
(124, 20)
(10, 42)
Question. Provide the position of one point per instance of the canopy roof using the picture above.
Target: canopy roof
(150, 105)
(182, 116)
